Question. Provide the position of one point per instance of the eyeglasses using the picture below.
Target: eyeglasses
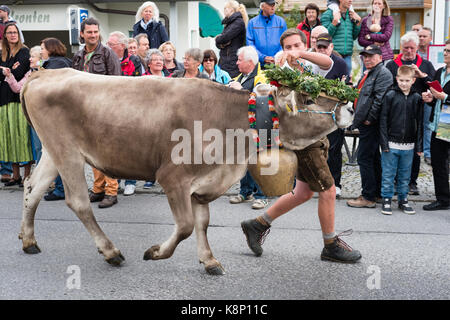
(109, 44)
(11, 33)
(210, 60)
(446, 50)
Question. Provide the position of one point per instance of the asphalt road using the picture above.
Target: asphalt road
(404, 257)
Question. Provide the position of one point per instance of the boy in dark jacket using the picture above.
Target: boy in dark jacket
(400, 133)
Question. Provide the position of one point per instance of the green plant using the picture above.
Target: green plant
(311, 84)
(292, 18)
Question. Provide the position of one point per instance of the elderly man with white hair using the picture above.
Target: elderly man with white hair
(147, 21)
(315, 32)
(250, 76)
(129, 64)
(424, 72)
(249, 68)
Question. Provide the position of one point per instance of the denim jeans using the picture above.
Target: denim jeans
(59, 187)
(396, 163)
(5, 168)
(249, 187)
(36, 145)
(127, 182)
(426, 131)
(348, 62)
(369, 161)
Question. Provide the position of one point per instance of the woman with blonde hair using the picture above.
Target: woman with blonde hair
(377, 27)
(147, 21)
(170, 63)
(233, 36)
(15, 139)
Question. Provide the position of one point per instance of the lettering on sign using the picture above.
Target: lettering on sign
(34, 17)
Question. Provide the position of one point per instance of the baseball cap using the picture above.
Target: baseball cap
(324, 39)
(268, 1)
(372, 49)
(5, 8)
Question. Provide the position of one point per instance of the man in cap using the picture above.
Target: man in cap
(372, 88)
(264, 32)
(5, 18)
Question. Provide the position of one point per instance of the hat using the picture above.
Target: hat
(268, 1)
(372, 49)
(324, 39)
(5, 8)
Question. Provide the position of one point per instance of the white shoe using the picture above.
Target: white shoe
(259, 204)
(338, 192)
(129, 190)
(240, 198)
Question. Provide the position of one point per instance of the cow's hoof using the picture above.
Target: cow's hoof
(33, 249)
(116, 261)
(215, 270)
(152, 253)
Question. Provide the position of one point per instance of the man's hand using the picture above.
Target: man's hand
(16, 65)
(354, 16)
(235, 85)
(336, 18)
(417, 72)
(269, 60)
(367, 123)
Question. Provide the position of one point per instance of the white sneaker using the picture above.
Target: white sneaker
(240, 198)
(259, 204)
(338, 192)
(129, 190)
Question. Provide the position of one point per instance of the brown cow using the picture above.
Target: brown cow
(82, 117)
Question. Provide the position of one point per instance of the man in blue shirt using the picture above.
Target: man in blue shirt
(264, 32)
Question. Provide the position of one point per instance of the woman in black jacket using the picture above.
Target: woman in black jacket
(15, 142)
(232, 37)
(147, 21)
(53, 54)
(439, 145)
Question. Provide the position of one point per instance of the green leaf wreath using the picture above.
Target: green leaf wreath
(309, 83)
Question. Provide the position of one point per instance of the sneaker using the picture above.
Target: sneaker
(405, 207)
(339, 251)
(413, 189)
(51, 196)
(259, 204)
(108, 201)
(240, 198)
(428, 161)
(338, 192)
(386, 206)
(255, 232)
(129, 190)
(148, 184)
(96, 197)
(361, 202)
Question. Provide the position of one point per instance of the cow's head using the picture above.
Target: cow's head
(303, 121)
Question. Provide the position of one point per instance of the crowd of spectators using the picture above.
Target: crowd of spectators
(246, 47)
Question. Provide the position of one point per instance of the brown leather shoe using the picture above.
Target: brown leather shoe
(96, 197)
(108, 201)
(361, 202)
(5, 178)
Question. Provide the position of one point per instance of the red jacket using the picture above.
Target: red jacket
(130, 65)
(306, 29)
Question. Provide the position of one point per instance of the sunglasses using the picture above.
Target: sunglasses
(322, 47)
(210, 60)
(446, 51)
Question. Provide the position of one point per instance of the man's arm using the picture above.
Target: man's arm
(112, 63)
(382, 83)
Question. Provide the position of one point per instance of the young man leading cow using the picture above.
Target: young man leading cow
(314, 177)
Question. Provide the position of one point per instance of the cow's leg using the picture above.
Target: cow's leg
(201, 216)
(77, 198)
(35, 186)
(180, 204)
